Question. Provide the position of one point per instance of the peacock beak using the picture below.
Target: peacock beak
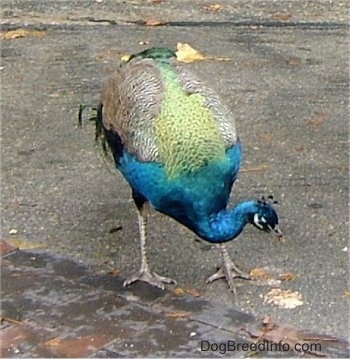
(277, 232)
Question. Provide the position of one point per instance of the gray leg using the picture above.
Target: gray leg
(227, 270)
(145, 274)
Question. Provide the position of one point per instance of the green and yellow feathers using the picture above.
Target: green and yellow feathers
(187, 133)
(163, 114)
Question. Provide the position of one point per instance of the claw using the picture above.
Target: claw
(228, 270)
(153, 279)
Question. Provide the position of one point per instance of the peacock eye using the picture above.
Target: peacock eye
(257, 221)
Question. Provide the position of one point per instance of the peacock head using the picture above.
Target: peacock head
(265, 217)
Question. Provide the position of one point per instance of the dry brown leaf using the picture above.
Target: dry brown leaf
(212, 7)
(260, 273)
(317, 120)
(154, 22)
(114, 272)
(18, 33)
(193, 292)
(9, 320)
(178, 314)
(287, 277)
(262, 167)
(283, 298)
(22, 244)
(292, 61)
(53, 342)
(266, 138)
(346, 294)
(282, 15)
(179, 291)
(186, 53)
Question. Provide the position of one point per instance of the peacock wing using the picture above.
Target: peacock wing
(221, 112)
(131, 99)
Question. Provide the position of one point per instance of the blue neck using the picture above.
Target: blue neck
(226, 225)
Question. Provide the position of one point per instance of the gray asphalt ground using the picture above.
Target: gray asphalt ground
(287, 83)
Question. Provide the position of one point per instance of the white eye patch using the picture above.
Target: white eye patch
(257, 221)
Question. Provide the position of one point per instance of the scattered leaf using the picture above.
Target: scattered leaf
(22, 244)
(283, 298)
(212, 7)
(260, 273)
(193, 292)
(114, 272)
(146, 42)
(318, 120)
(53, 342)
(186, 53)
(178, 314)
(13, 231)
(259, 168)
(18, 33)
(346, 294)
(154, 22)
(157, 2)
(179, 291)
(292, 61)
(9, 320)
(125, 58)
(287, 277)
(266, 138)
(282, 15)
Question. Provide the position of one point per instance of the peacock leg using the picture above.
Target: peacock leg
(228, 270)
(145, 274)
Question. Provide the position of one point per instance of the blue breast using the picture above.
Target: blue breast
(187, 198)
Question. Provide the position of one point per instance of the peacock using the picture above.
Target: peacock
(176, 144)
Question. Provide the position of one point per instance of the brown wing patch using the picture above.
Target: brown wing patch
(131, 101)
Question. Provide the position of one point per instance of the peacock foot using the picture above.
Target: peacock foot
(150, 278)
(229, 271)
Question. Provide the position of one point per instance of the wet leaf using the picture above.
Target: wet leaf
(179, 291)
(178, 314)
(154, 22)
(283, 298)
(287, 277)
(18, 33)
(284, 15)
(186, 53)
(193, 292)
(212, 7)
